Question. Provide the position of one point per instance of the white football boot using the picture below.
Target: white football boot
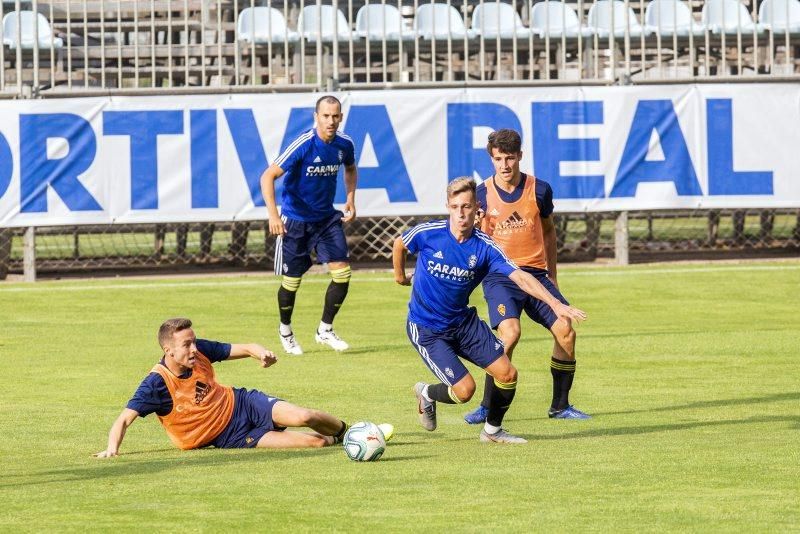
(329, 337)
(290, 344)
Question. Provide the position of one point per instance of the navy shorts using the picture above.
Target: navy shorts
(325, 238)
(506, 300)
(251, 419)
(472, 340)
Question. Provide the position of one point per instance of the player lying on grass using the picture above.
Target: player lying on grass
(452, 259)
(196, 411)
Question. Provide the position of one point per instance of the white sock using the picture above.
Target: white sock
(491, 429)
(324, 327)
(425, 393)
(285, 329)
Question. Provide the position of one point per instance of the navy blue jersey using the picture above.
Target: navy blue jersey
(544, 195)
(152, 395)
(448, 271)
(312, 167)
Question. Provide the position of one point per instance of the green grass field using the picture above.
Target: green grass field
(690, 372)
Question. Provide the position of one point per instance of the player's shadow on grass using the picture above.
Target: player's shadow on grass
(637, 430)
(711, 404)
(116, 467)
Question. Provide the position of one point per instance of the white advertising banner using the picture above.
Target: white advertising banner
(199, 158)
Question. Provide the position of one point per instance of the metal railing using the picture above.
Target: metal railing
(623, 237)
(153, 45)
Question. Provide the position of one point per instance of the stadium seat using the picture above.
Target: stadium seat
(493, 19)
(377, 22)
(556, 19)
(26, 40)
(600, 19)
(728, 16)
(670, 18)
(780, 16)
(318, 22)
(260, 25)
(440, 21)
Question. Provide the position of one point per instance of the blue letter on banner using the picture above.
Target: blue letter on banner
(549, 150)
(391, 173)
(37, 171)
(143, 127)
(205, 168)
(463, 159)
(677, 165)
(6, 165)
(722, 179)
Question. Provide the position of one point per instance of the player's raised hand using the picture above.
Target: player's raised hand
(349, 212)
(276, 226)
(105, 454)
(568, 312)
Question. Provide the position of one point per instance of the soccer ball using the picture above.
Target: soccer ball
(364, 442)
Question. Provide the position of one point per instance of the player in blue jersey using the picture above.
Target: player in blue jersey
(308, 221)
(452, 259)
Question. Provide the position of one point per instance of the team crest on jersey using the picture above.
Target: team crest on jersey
(449, 372)
(473, 261)
(285, 268)
(341, 156)
(249, 440)
(501, 309)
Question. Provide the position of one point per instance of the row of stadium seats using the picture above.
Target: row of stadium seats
(492, 20)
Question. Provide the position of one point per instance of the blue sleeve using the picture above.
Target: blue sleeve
(413, 239)
(152, 396)
(213, 350)
(349, 154)
(544, 198)
(294, 153)
(480, 192)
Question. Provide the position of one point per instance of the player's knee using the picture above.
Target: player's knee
(307, 417)
(291, 283)
(463, 391)
(342, 275)
(507, 376)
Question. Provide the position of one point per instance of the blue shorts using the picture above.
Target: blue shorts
(472, 340)
(507, 301)
(325, 238)
(251, 419)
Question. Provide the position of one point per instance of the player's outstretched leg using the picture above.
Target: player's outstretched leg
(562, 368)
(504, 388)
(429, 394)
(328, 429)
(334, 298)
(286, 297)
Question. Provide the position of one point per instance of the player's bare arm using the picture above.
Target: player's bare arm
(117, 433)
(253, 350)
(532, 287)
(399, 263)
(272, 173)
(350, 184)
(550, 247)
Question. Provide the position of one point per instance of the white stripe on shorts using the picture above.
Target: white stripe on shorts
(424, 353)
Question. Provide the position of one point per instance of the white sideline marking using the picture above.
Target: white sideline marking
(324, 280)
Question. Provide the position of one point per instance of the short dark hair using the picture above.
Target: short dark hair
(169, 328)
(328, 99)
(460, 185)
(506, 141)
